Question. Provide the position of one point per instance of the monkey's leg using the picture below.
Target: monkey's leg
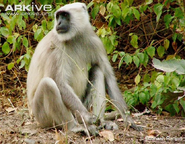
(49, 109)
(96, 96)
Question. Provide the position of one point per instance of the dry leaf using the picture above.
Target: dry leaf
(153, 132)
(60, 139)
(107, 134)
(102, 10)
(120, 120)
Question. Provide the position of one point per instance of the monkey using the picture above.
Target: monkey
(61, 88)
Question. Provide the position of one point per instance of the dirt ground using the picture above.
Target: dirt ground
(16, 127)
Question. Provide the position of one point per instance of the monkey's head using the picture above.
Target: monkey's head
(70, 20)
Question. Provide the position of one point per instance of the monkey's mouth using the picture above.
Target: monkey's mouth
(62, 29)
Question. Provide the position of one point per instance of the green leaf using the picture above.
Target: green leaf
(166, 44)
(176, 107)
(178, 13)
(108, 45)
(4, 31)
(158, 10)
(154, 104)
(5, 48)
(25, 42)
(120, 62)
(167, 19)
(21, 23)
(10, 66)
(141, 57)
(151, 51)
(38, 35)
(1, 5)
(137, 79)
(118, 21)
(114, 58)
(121, 54)
(159, 81)
(175, 81)
(146, 58)
(35, 27)
(5, 17)
(116, 11)
(10, 39)
(90, 4)
(130, 2)
(143, 8)
(136, 13)
(44, 25)
(182, 102)
(148, 2)
(153, 90)
(95, 11)
(22, 64)
(125, 10)
(146, 78)
(134, 41)
(171, 65)
(142, 97)
(128, 59)
(160, 51)
(136, 60)
(112, 38)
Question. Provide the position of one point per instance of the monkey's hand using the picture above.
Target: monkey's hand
(136, 127)
(93, 130)
(92, 122)
(91, 119)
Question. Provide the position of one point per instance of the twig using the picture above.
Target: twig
(11, 103)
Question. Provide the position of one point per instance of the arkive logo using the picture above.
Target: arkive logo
(31, 7)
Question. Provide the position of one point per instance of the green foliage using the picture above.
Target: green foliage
(151, 88)
(158, 10)
(172, 65)
(17, 36)
(134, 40)
(108, 38)
(165, 93)
(159, 91)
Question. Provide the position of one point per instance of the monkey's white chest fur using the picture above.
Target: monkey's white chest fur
(70, 66)
(74, 70)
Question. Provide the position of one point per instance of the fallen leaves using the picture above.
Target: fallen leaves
(107, 134)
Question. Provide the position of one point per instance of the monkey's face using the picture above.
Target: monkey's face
(70, 20)
(63, 22)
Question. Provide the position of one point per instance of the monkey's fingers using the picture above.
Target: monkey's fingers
(136, 127)
(93, 130)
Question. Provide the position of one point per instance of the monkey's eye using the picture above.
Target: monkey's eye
(62, 14)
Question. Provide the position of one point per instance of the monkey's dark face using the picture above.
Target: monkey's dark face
(71, 20)
(63, 22)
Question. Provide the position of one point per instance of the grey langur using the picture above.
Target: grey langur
(60, 88)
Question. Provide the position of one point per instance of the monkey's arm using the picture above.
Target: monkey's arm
(112, 87)
(117, 98)
(72, 102)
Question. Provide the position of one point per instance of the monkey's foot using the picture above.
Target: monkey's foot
(92, 129)
(109, 125)
(79, 129)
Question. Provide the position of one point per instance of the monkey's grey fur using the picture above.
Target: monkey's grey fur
(58, 89)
